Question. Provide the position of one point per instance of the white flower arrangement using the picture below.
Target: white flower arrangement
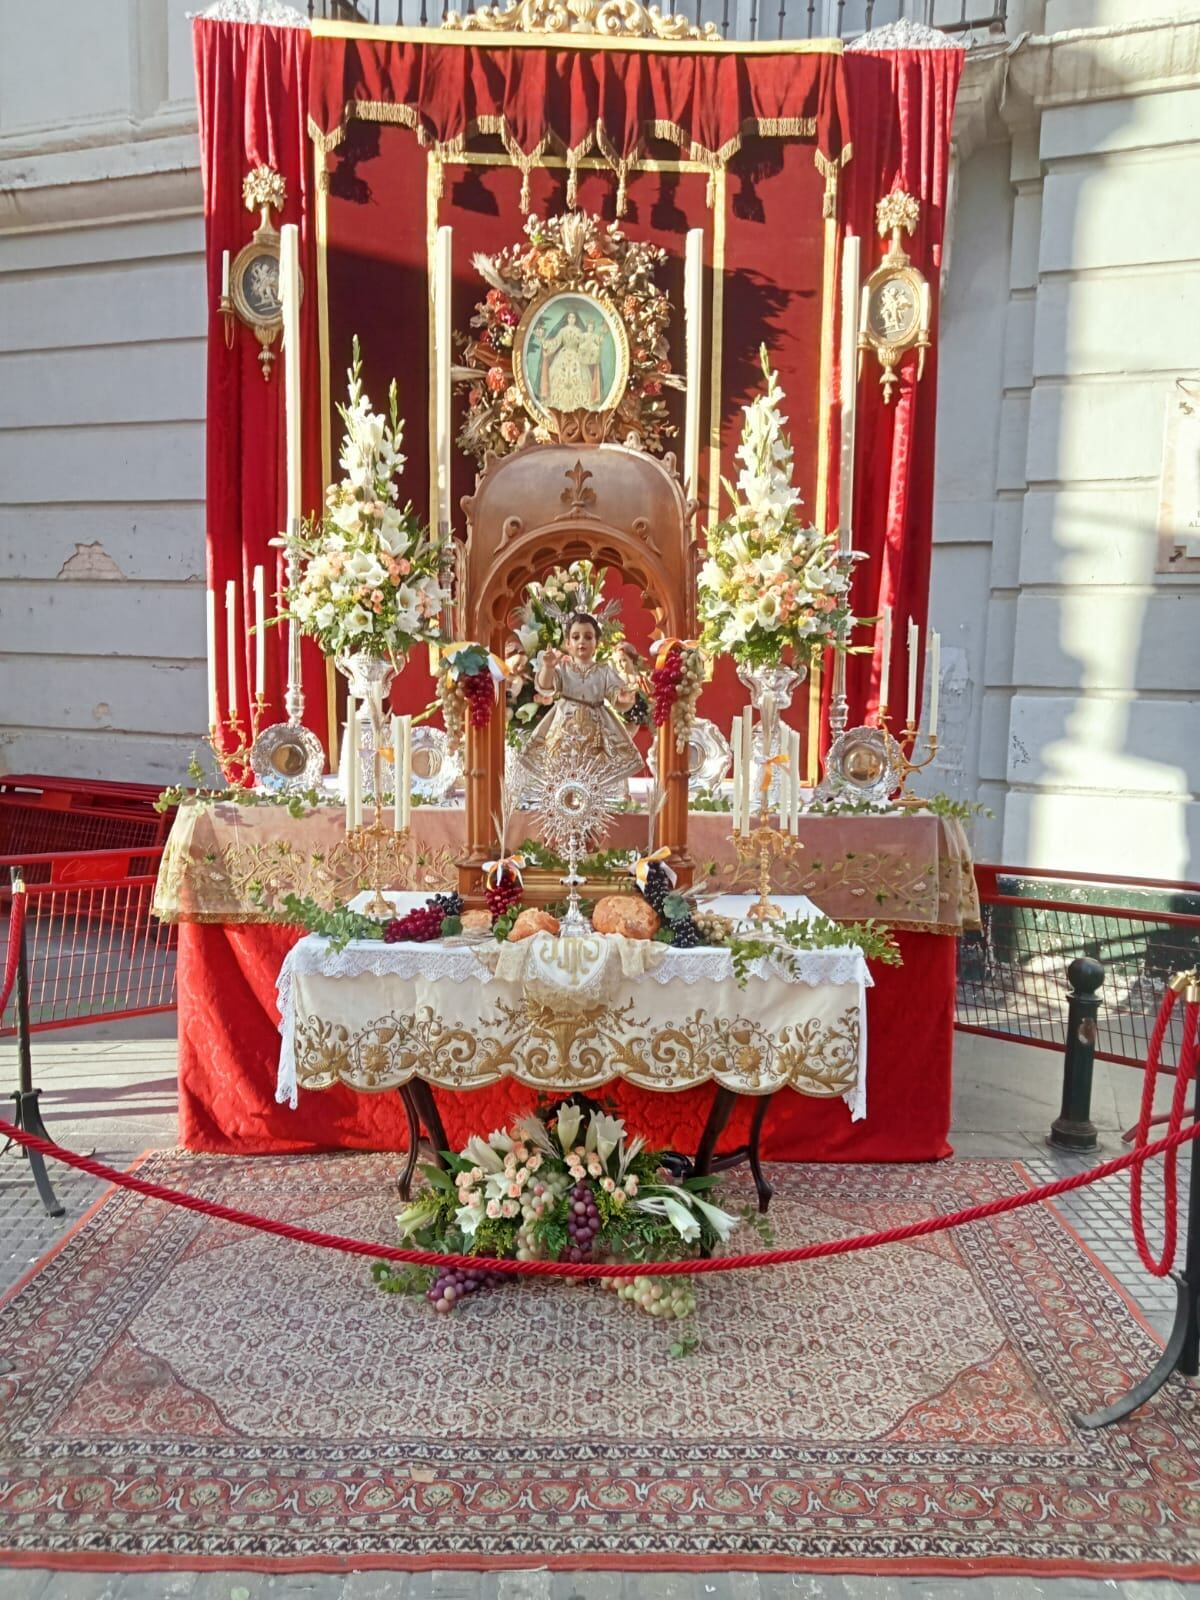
(771, 580)
(370, 576)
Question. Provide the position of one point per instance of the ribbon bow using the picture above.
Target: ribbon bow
(641, 867)
(495, 870)
(778, 760)
(662, 648)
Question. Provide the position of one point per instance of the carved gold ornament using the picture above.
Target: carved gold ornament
(250, 287)
(895, 313)
(556, 1050)
(625, 19)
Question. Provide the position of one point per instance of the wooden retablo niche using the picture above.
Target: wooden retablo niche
(540, 508)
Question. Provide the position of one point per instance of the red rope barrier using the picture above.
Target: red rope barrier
(1185, 1072)
(568, 1269)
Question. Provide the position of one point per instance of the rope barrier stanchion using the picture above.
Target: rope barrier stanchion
(27, 1114)
(1182, 1350)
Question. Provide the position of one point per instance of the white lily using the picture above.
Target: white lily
(357, 620)
(628, 1153)
(660, 1204)
(480, 1153)
(468, 1219)
(569, 1118)
(722, 1223)
(604, 1135)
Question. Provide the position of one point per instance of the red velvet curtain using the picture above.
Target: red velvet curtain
(901, 111)
(253, 91)
(894, 109)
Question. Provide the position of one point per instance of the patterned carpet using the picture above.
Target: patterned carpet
(183, 1393)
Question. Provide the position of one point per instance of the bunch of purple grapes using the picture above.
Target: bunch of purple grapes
(451, 1285)
(583, 1222)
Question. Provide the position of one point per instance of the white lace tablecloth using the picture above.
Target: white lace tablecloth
(375, 1015)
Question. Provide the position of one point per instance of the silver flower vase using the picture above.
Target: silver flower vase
(370, 678)
(771, 689)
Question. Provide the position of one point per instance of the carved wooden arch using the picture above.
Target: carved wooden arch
(545, 506)
(536, 551)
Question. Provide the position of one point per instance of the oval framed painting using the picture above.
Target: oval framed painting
(570, 353)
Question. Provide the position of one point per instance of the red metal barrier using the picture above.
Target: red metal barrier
(95, 952)
(1011, 976)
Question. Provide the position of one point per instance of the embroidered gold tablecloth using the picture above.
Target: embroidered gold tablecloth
(235, 863)
(373, 1016)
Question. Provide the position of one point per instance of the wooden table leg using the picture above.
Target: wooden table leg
(426, 1107)
(411, 1116)
(719, 1113)
(765, 1191)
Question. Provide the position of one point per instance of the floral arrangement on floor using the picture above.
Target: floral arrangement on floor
(370, 576)
(771, 581)
(676, 680)
(566, 1185)
(576, 251)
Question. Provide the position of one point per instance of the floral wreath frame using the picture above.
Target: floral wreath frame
(572, 253)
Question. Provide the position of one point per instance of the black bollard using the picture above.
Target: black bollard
(1073, 1129)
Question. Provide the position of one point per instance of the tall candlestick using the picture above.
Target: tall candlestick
(224, 274)
(443, 279)
(289, 299)
(885, 665)
(211, 630)
(934, 669)
(260, 633)
(914, 644)
(850, 276)
(747, 766)
(791, 820)
(231, 648)
(693, 312)
(352, 764)
(735, 742)
(406, 771)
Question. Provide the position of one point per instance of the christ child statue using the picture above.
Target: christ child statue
(580, 719)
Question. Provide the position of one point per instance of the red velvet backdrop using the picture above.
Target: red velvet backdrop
(901, 112)
(253, 91)
(892, 110)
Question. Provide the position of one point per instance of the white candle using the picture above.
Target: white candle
(735, 740)
(792, 803)
(693, 311)
(850, 276)
(231, 648)
(914, 644)
(406, 769)
(747, 765)
(934, 669)
(224, 274)
(211, 628)
(289, 299)
(443, 280)
(260, 633)
(352, 765)
(885, 665)
(397, 761)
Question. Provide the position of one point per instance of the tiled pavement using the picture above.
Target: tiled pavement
(114, 1094)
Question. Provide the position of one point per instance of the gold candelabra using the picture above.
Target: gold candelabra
(231, 742)
(765, 845)
(902, 748)
(370, 840)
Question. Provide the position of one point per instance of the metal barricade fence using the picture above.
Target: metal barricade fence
(95, 951)
(1011, 976)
